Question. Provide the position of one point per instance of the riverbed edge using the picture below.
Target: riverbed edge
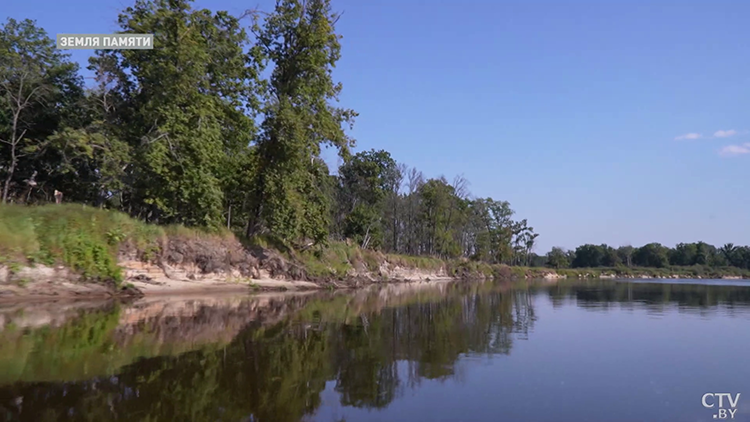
(40, 282)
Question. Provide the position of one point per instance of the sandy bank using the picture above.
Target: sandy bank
(146, 279)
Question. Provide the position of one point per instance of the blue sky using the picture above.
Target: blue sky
(620, 122)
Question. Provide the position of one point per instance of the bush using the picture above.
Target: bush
(83, 238)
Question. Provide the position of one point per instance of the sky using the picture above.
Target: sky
(618, 122)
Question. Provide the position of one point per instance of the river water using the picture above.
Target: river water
(569, 352)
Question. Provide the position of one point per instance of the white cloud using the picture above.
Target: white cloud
(732, 150)
(725, 133)
(688, 136)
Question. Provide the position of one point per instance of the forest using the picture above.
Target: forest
(221, 127)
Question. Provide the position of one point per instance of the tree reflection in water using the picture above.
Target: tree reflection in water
(372, 345)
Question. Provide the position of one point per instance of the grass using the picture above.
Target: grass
(419, 262)
(335, 261)
(338, 259)
(88, 241)
(267, 241)
(85, 239)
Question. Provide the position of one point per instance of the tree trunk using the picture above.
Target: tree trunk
(13, 159)
(6, 186)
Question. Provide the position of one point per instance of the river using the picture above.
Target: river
(574, 351)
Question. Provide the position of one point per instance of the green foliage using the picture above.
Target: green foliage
(362, 225)
(83, 238)
(288, 189)
(368, 177)
(365, 182)
(335, 261)
(269, 371)
(214, 128)
(184, 100)
(685, 259)
(651, 255)
(39, 88)
(60, 353)
(91, 258)
(418, 262)
(595, 256)
(169, 136)
(557, 258)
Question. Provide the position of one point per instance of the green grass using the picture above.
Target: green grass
(267, 241)
(419, 262)
(339, 258)
(336, 260)
(88, 240)
(85, 239)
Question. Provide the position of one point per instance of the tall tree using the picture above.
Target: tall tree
(625, 253)
(366, 181)
(651, 255)
(185, 105)
(298, 37)
(557, 258)
(730, 253)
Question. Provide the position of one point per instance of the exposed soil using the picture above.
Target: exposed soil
(197, 265)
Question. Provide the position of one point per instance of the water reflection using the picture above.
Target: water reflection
(274, 357)
(658, 297)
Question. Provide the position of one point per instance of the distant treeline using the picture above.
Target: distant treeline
(652, 255)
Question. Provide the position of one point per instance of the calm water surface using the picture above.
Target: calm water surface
(575, 351)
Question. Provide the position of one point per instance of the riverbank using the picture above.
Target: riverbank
(67, 251)
(70, 251)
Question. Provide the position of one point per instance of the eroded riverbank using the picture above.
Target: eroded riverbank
(143, 279)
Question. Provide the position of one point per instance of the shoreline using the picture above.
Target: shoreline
(58, 284)
(108, 254)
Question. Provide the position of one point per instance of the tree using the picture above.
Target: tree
(186, 109)
(571, 254)
(37, 82)
(557, 258)
(298, 38)
(588, 256)
(529, 240)
(651, 255)
(169, 135)
(437, 202)
(497, 216)
(703, 253)
(610, 258)
(366, 181)
(394, 210)
(742, 257)
(683, 254)
(412, 230)
(625, 253)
